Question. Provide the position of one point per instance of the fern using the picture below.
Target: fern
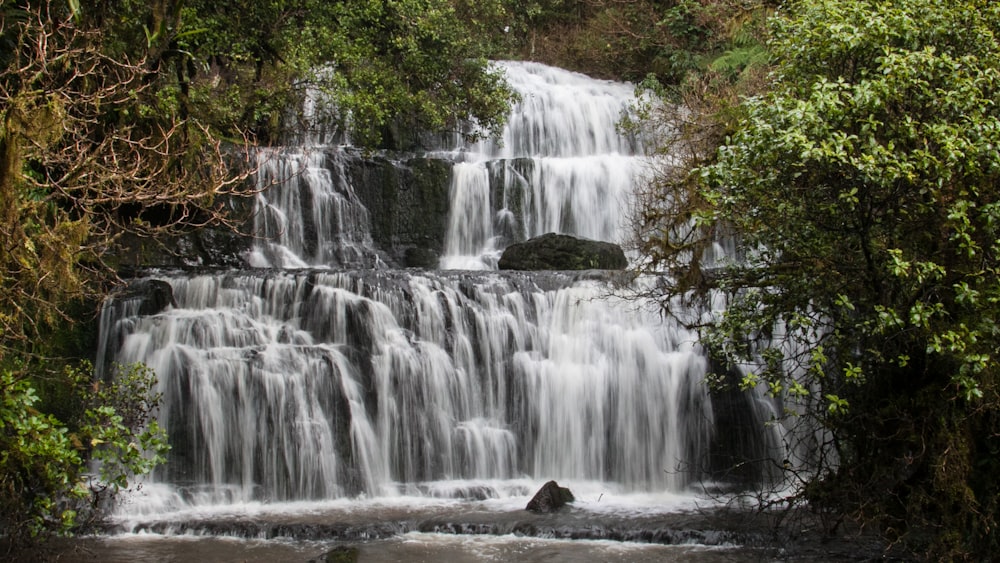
(734, 61)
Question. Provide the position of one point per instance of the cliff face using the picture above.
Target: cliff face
(407, 203)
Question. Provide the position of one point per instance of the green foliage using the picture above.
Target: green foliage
(628, 39)
(117, 423)
(736, 60)
(862, 193)
(38, 464)
(44, 462)
(414, 63)
(129, 117)
(243, 65)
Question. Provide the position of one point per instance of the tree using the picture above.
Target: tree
(861, 194)
(636, 39)
(87, 153)
(137, 118)
(45, 482)
(414, 64)
(410, 64)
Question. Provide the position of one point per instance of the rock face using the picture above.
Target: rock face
(407, 199)
(407, 203)
(562, 252)
(550, 497)
(210, 246)
(153, 295)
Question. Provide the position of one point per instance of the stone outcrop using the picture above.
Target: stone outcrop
(153, 295)
(562, 252)
(208, 246)
(407, 203)
(550, 497)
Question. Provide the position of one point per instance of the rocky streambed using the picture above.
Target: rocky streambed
(596, 527)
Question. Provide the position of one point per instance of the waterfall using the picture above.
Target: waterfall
(317, 385)
(330, 374)
(307, 212)
(560, 165)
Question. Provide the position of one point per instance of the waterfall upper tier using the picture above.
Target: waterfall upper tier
(561, 114)
(560, 165)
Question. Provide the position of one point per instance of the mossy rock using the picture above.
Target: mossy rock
(562, 252)
(407, 202)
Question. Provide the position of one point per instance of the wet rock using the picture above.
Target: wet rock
(341, 554)
(211, 245)
(408, 202)
(415, 257)
(153, 295)
(550, 497)
(562, 252)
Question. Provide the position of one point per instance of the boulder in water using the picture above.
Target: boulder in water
(562, 252)
(550, 497)
(340, 554)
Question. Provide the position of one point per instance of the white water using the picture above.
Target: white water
(307, 213)
(322, 385)
(559, 166)
(315, 385)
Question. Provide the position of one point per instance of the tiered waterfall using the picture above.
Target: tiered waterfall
(319, 371)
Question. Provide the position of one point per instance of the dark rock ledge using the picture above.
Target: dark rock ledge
(562, 252)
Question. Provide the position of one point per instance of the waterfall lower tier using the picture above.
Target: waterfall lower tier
(317, 385)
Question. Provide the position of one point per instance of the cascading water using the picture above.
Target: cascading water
(559, 166)
(319, 385)
(329, 375)
(312, 217)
